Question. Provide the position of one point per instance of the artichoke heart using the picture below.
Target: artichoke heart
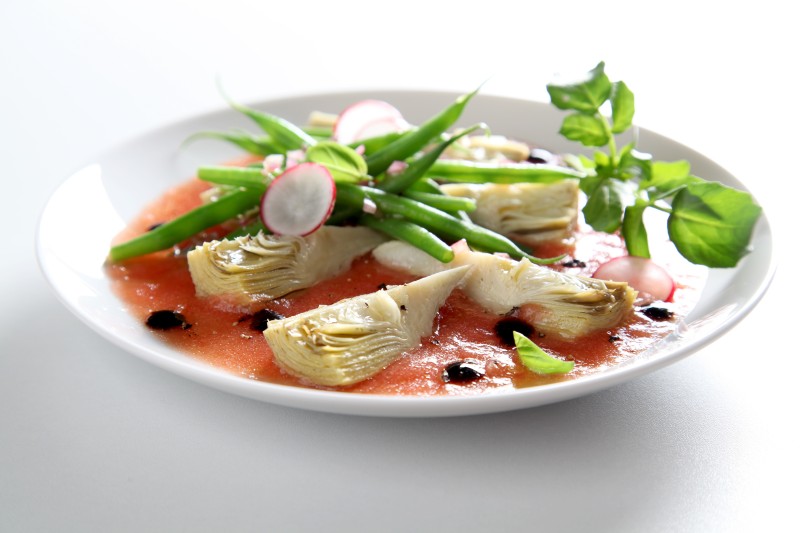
(528, 212)
(264, 267)
(561, 304)
(488, 148)
(354, 339)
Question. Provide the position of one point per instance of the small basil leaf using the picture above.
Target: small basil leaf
(634, 231)
(627, 148)
(668, 176)
(622, 107)
(601, 159)
(343, 162)
(603, 209)
(590, 183)
(535, 359)
(635, 165)
(586, 129)
(585, 95)
(712, 224)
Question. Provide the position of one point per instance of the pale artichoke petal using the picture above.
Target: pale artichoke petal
(354, 339)
(402, 256)
(530, 212)
(264, 267)
(565, 305)
(488, 148)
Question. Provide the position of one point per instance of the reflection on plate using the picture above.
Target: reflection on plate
(96, 202)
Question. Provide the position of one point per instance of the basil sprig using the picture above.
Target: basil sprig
(709, 223)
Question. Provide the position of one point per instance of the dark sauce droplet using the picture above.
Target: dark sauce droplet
(574, 263)
(463, 371)
(657, 313)
(260, 320)
(166, 319)
(506, 327)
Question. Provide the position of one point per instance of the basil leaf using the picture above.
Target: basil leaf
(601, 159)
(344, 163)
(634, 165)
(712, 224)
(668, 176)
(586, 129)
(535, 359)
(603, 209)
(622, 107)
(634, 231)
(589, 184)
(585, 95)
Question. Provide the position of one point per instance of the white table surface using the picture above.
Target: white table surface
(94, 439)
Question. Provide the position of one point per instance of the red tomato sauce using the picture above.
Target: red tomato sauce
(221, 334)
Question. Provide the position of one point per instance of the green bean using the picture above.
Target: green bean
(186, 225)
(412, 234)
(319, 132)
(411, 143)
(286, 135)
(342, 214)
(254, 144)
(484, 172)
(250, 178)
(449, 204)
(373, 144)
(350, 196)
(435, 220)
(425, 185)
(417, 168)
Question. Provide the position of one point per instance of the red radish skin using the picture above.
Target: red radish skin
(367, 118)
(640, 273)
(299, 201)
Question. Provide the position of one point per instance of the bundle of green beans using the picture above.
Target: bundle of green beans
(409, 205)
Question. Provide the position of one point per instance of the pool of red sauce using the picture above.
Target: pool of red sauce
(220, 333)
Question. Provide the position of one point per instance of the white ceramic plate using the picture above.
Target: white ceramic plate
(96, 202)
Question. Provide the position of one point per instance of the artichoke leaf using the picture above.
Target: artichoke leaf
(528, 212)
(354, 339)
(562, 304)
(264, 267)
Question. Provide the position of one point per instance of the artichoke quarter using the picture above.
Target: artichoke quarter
(354, 339)
(488, 148)
(265, 267)
(561, 304)
(528, 212)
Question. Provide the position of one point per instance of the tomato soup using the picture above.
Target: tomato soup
(229, 337)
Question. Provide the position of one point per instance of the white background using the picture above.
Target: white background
(93, 439)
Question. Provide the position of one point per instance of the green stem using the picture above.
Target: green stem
(612, 143)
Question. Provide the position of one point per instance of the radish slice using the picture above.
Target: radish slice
(299, 201)
(365, 119)
(380, 127)
(642, 274)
